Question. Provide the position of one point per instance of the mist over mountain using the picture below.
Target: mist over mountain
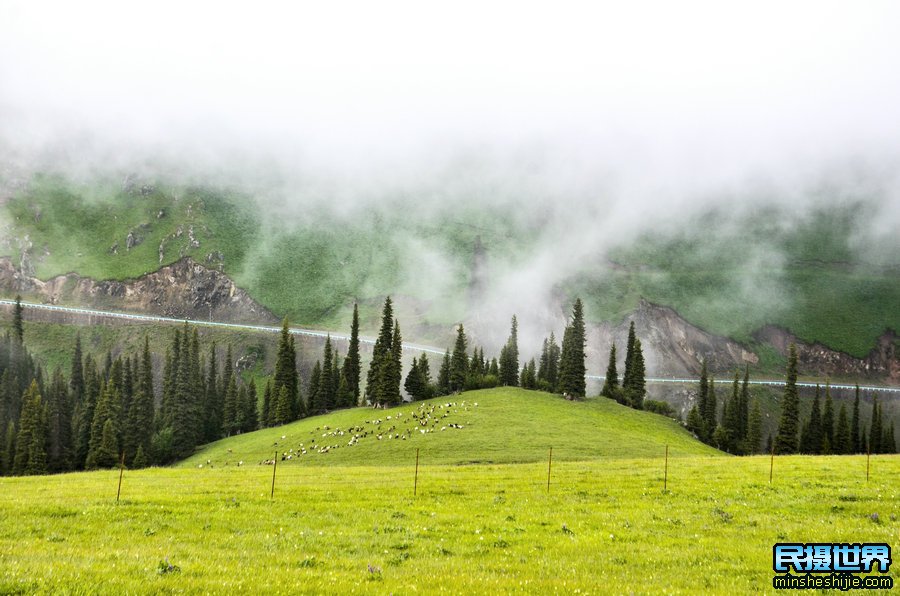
(726, 171)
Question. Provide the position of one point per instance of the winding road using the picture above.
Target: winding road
(368, 340)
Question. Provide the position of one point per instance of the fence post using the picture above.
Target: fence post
(772, 463)
(416, 480)
(274, 467)
(549, 466)
(666, 473)
(121, 471)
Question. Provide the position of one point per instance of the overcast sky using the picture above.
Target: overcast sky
(708, 86)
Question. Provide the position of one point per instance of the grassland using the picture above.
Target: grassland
(504, 425)
(475, 516)
(606, 526)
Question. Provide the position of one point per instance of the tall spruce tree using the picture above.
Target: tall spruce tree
(379, 367)
(509, 357)
(636, 381)
(572, 367)
(18, 327)
(828, 422)
(703, 431)
(230, 414)
(314, 391)
(786, 437)
(754, 428)
(286, 372)
(352, 365)
(611, 383)
(709, 414)
(842, 442)
(59, 425)
(875, 434)
(444, 375)
(459, 362)
(30, 454)
(327, 390)
(392, 371)
(811, 435)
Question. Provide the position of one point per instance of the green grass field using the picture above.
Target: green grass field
(606, 526)
(475, 516)
(504, 425)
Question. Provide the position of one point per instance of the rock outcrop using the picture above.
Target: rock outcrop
(184, 289)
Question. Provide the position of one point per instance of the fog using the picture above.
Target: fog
(589, 122)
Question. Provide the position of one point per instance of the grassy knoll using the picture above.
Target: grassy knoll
(503, 425)
(605, 527)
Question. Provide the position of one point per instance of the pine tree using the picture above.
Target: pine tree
(842, 442)
(314, 391)
(392, 371)
(459, 362)
(812, 436)
(694, 422)
(855, 434)
(786, 438)
(544, 362)
(745, 405)
(107, 454)
(636, 388)
(282, 406)
(251, 415)
(76, 374)
(572, 368)
(9, 449)
(84, 414)
(213, 403)
(425, 376)
(731, 416)
(888, 442)
(611, 383)
(352, 366)
(140, 459)
(444, 375)
(413, 384)
(754, 428)
(381, 355)
(494, 369)
(18, 327)
(32, 433)
(230, 413)
(184, 418)
(59, 425)
(107, 410)
(828, 422)
(553, 355)
(709, 414)
(875, 427)
(705, 432)
(286, 372)
(629, 355)
(509, 357)
(265, 415)
(327, 389)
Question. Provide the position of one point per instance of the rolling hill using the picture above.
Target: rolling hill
(504, 425)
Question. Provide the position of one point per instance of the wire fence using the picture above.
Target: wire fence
(536, 478)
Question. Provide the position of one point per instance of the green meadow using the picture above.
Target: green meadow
(476, 516)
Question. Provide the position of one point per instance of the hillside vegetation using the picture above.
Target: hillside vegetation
(729, 274)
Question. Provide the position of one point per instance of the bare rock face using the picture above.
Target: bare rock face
(882, 362)
(671, 345)
(184, 289)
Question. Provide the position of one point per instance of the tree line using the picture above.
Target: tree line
(821, 432)
(105, 413)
